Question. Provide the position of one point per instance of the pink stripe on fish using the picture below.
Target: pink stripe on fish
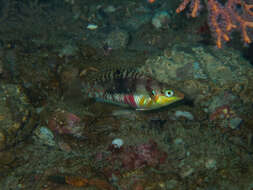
(129, 99)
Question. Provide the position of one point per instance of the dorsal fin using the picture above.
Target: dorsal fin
(95, 75)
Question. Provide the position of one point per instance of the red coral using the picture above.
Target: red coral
(222, 112)
(63, 122)
(134, 157)
(149, 153)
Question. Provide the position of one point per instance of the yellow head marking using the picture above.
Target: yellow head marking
(142, 101)
(158, 99)
(163, 98)
(169, 96)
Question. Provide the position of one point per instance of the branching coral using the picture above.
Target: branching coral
(223, 19)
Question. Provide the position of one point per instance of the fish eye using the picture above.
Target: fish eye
(169, 93)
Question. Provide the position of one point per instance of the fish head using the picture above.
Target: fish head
(166, 97)
(159, 98)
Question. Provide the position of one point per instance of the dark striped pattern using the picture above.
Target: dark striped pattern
(119, 86)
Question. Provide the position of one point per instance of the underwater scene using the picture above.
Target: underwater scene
(126, 95)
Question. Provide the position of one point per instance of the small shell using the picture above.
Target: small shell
(117, 143)
(92, 26)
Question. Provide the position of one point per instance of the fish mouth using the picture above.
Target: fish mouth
(174, 99)
(164, 100)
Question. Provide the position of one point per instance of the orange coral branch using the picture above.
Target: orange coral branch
(182, 6)
(220, 22)
(244, 20)
(235, 14)
(194, 4)
(248, 9)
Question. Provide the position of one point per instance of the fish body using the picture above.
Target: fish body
(130, 89)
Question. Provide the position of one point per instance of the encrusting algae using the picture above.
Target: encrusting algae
(131, 89)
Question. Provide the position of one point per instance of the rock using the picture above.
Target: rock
(6, 157)
(235, 122)
(43, 135)
(110, 9)
(18, 117)
(68, 50)
(161, 20)
(171, 184)
(184, 114)
(2, 140)
(187, 171)
(117, 39)
(126, 114)
(210, 164)
(134, 23)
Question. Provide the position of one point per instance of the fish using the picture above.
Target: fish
(130, 88)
